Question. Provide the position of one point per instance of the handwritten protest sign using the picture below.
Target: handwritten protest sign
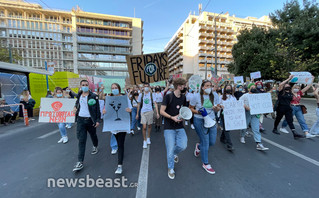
(234, 115)
(301, 77)
(148, 68)
(255, 75)
(247, 79)
(195, 82)
(260, 103)
(116, 117)
(239, 79)
(57, 110)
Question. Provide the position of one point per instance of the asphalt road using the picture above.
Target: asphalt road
(30, 156)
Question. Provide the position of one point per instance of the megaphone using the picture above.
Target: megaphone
(208, 122)
(185, 113)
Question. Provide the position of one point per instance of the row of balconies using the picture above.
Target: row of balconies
(176, 43)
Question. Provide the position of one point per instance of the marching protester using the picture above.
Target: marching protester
(6, 114)
(297, 109)
(239, 91)
(315, 128)
(253, 120)
(205, 104)
(189, 96)
(174, 132)
(66, 94)
(158, 96)
(228, 95)
(28, 103)
(285, 97)
(49, 94)
(58, 93)
(134, 104)
(119, 134)
(87, 112)
(146, 104)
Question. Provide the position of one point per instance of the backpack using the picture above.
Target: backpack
(142, 100)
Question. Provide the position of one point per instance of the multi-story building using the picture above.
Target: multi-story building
(192, 48)
(77, 41)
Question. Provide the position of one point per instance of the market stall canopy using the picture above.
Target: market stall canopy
(11, 67)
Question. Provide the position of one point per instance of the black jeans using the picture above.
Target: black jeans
(120, 138)
(225, 136)
(10, 117)
(85, 125)
(287, 112)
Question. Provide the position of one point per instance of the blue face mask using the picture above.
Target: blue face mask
(85, 88)
(115, 92)
(59, 95)
(240, 89)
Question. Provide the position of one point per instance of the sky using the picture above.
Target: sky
(162, 18)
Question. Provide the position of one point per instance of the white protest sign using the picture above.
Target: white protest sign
(301, 77)
(234, 115)
(195, 82)
(116, 117)
(239, 79)
(57, 110)
(255, 75)
(260, 103)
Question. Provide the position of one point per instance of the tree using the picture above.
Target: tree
(4, 55)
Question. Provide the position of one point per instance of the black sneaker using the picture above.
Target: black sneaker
(229, 147)
(275, 131)
(78, 166)
(94, 150)
(297, 136)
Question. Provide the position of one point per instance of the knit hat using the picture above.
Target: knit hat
(239, 85)
(259, 82)
(251, 84)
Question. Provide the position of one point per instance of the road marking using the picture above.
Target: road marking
(141, 191)
(292, 151)
(48, 134)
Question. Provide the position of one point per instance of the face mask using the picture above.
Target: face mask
(259, 86)
(240, 89)
(287, 88)
(59, 95)
(190, 90)
(171, 87)
(183, 90)
(228, 91)
(68, 91)
(115, 92)
(157, 89)
(208, 90)
(253, 90)
(274, 90)
(135, 94)
(85, 88)
(296, 90)
(147, 89)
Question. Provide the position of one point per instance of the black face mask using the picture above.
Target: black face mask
(157, 89)
(135, 94)
(253, 91)
(287, 88)
(183, 90)
(228, 91)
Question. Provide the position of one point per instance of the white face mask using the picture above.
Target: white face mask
(208, 90)
(296, 90)
(147, 89)
(171, 86)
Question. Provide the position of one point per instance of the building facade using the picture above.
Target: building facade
(76, 41)
(192, 48)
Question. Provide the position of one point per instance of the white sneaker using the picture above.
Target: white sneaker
(144, 144)
(283, 130)
(308, 135)
(192, 126)
(148, 141)
(65, 139)
(186, 123)
(114, 151)
(261, 147)
(242, 140)
(119, 170)
(60, 141)
(68, 126)
(138, 128)
(163, 121)
(171, 173)
(132, 131)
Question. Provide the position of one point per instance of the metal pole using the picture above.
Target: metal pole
(46, 76)
(205, 67)
(10, 54)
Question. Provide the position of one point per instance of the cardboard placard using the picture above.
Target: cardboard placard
(255, 75)
(239, 79)
(57, 110)
(195, 82)
(260, 103)
(148, 68)
(75, 82)
(234, 115)
(301, 77)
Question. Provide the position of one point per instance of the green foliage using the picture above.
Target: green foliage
(4, 55)
(293, 45)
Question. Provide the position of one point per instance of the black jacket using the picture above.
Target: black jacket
(94, 109)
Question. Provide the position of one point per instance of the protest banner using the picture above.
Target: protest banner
(260, 103)
(116, 117)
(195, 82)
(255, 75)
(148, 68)
(234, 115)
(239, 79)
(228, 77)
(160, 83)
(177, 76)
(301, 77)
(75, 82)
(247, 79)
(57, 110)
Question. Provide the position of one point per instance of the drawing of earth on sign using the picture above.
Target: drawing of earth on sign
(150, 69)
(116, 106)
(295, 79)
(194, 82)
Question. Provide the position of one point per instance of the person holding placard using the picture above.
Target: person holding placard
(297, 110)
(228, 95)
(239, 91)
(285, 97)
(252, 119)
(205, 104)
(119, 134)
(315, 128)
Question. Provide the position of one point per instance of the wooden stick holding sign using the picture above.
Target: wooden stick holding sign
(148, 68)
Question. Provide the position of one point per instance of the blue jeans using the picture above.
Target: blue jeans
(62, 129)
(315, 128)
(176, 142)
(254, 122)
(113, 142)
(134, 121)
(207, 137)
(296, 111)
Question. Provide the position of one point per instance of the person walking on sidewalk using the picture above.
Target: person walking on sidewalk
(146, 105)
(174, 132)
(87, 112)
(158, 96)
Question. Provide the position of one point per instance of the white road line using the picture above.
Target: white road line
(292, 151)
(141, 191)
(48, 134)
